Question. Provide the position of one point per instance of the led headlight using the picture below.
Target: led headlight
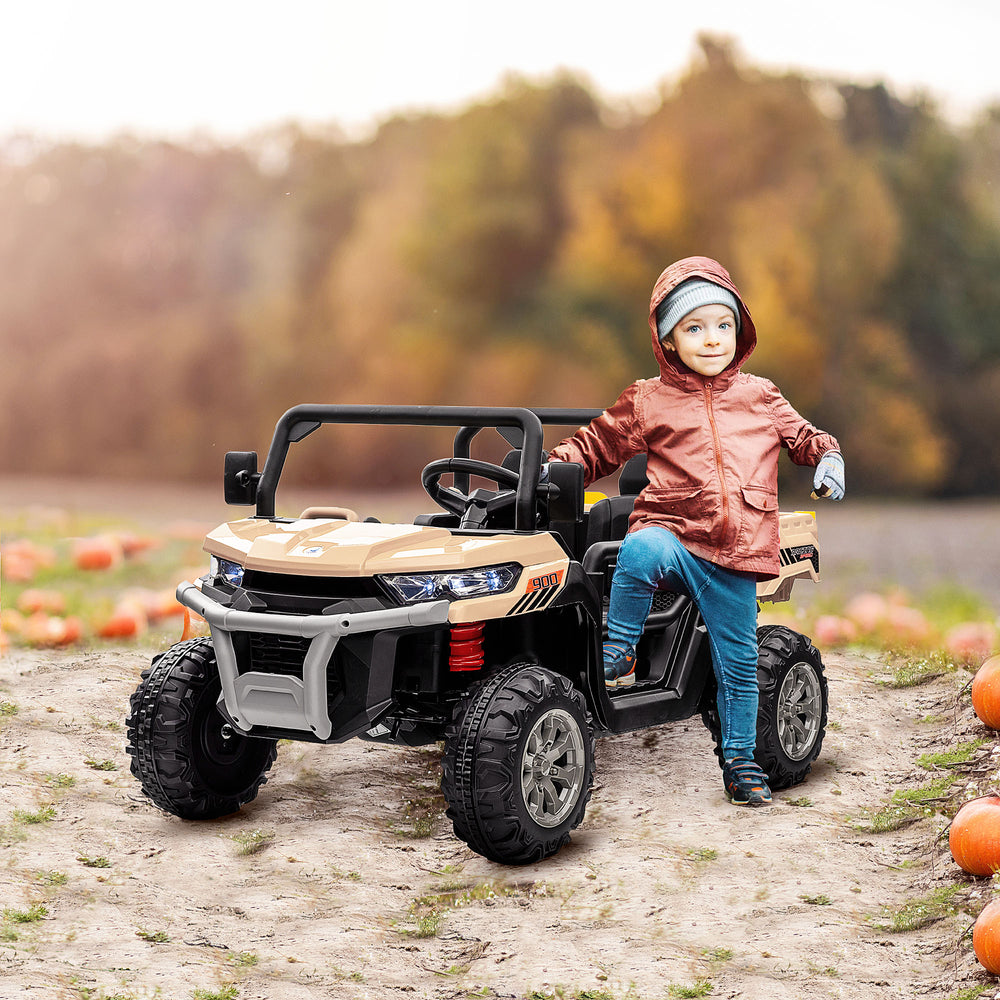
(454, 586)
(226, 571)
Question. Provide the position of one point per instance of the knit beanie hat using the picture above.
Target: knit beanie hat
(690, 295)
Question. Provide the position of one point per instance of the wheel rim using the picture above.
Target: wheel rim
(226, 760)
(553, 767)
(800, 709)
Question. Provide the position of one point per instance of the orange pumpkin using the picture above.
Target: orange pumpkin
(50, 601)
(127, 621)
(986, 937)
(986, 693)
(974, 837)
(100, 552)
(51, 630)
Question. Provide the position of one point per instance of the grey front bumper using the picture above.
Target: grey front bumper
(279, 701)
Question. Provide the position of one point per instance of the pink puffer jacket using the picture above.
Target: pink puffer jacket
(712, 444)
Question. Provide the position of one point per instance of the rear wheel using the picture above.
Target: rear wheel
(518, 764)
(791, 715)
(190, 761)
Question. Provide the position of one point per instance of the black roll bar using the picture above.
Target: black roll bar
(547, 415)
(302, 420)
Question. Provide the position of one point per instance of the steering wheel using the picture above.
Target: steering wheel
(455, 501)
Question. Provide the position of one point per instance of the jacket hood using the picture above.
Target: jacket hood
(671, 367)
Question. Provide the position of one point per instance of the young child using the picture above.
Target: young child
(707, 523)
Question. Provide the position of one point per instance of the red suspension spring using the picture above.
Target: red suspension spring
(466, 652)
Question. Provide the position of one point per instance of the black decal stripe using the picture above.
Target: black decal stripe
(534, 601)
(536, 598)
(519, 607)
(550, 596)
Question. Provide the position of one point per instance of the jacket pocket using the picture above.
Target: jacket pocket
(690, 512)
(760, 497)
(759, 522)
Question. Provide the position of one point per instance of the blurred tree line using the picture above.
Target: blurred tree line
(162, 303)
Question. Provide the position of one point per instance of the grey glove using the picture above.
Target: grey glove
(828, 483)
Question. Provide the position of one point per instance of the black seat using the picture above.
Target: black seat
(565, 511)
(608, 518)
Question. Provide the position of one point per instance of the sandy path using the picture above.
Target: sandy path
(663, 885)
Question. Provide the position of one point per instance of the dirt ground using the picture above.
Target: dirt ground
(359, 889)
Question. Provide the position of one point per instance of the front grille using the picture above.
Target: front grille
(327, 587)
(277, 654)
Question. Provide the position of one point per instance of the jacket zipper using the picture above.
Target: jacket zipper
(718, 466)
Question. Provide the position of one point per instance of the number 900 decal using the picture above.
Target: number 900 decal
(541, 589)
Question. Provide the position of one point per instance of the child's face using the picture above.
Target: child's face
(705, 339)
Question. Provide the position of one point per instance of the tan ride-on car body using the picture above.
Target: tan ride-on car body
(480, 625)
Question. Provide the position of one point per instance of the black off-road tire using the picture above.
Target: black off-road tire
(503, 798)
(791, 715)
(189, 761)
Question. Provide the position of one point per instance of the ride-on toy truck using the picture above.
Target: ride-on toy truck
(480, 625)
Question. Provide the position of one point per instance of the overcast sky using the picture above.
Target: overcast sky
(86, 69)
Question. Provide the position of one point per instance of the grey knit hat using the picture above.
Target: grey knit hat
(690, 295)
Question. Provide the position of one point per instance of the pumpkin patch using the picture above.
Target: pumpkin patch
(986, 937)
(986, 693)
(974, 837)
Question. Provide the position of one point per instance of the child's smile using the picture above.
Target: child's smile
(705, 339)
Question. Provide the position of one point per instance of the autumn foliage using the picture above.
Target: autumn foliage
(161, 303)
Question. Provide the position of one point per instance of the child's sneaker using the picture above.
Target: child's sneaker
(746, 783)
(619, 665)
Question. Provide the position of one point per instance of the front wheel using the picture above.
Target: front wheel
(518, 764)
(190, 761)
(792, 711)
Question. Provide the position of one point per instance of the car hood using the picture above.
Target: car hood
(326, 547)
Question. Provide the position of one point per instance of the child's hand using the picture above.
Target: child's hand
(828, 483)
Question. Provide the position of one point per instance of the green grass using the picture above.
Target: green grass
(562, 993)
(927, 794)
(12, 918)
(43, 814)
(888, 818)
(703, 854)
(426, 912)
(52, 878)
(700, 989)
(910, 670)
(7, 709)
(153, 937)
(971, 992)
(820, 900)
(91, 594)
(919, 912)
(717, 955)
(89, 862)
(961, 754)
(225, 993)
(252, 841)
(426, 924)
(101, 765)
(32, 915)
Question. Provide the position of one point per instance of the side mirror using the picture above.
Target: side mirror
(240, 478)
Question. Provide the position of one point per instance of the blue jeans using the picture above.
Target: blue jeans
(727, 600)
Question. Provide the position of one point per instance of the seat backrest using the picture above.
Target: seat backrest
(608, 518)
(565, 512)
(632, 480)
